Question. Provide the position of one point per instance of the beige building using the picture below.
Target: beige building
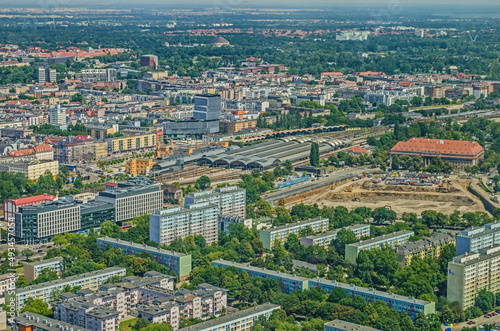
(98, 132)
(32, 270)
(31, 169)
(116, 145)
(424, 248)
(470, 273)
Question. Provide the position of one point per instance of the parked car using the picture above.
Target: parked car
(470, 322)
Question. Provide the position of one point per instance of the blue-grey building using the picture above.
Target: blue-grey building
(475, 238)
(400, 303)
(289, 282)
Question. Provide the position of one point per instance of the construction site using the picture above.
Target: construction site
(443, 196)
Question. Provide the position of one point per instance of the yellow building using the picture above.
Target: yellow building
(101, 149)
(237, 126)
(423, 248)
(139, 166)
(120, 144)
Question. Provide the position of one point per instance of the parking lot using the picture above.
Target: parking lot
(479, 322)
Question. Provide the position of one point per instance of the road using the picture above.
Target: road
(309, 185)
(479, 321)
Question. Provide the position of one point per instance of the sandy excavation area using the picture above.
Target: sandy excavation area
(399, 198)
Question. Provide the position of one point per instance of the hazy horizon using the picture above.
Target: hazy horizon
(197, 4)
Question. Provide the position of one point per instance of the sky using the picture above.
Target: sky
(239, 3)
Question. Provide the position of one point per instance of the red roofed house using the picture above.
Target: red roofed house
(357, 151)
(459, 153)
(10, 206)
(41, 152)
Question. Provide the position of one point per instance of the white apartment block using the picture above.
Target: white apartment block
(7, 282)
(32, 270)
(90, 280)
(268, 236)
(169, 224)
(242, 320)
(470, 273)
(325, 239)
(475, 238)
(231, 200)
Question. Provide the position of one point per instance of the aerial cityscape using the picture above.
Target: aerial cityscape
(249, 166)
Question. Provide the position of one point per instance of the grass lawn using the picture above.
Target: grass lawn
(124, 325)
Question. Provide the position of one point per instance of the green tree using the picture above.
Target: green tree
(314, 155)
(203, 183)
(37, 306)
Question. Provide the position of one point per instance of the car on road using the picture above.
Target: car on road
(470, 322)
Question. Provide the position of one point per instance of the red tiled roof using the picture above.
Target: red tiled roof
(439, 146)
(36, 198)
(359, 150)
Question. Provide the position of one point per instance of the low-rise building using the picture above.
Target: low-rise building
(90, 280)
(41, 152)
(340, 325)
(29, 321)
(400, 303)
(280, 233)
(392, 239)
(139, 166)
(138, 141)
(33, 269)
(11, 206)
(459, 153)
(177, 262)
(324, 239)
(424, 248)
(289, 282)
(32, 169)
(172, 192)
(240, 321)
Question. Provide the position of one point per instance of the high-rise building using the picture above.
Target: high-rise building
(475, 238)
(57, 116)
(149, 61)
(231, 200)
(206, 118)
(470, 273)
(137, 196)
(46, 75)
(177, 223)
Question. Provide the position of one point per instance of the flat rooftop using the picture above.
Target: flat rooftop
(261, 270)
(231, 317)
(69, 279)
(293, 225)
(151, 249)
(369, 291)
(382, 238)
(43, 262)
(348, 326)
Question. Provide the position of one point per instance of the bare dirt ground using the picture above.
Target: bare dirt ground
(400, 198)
